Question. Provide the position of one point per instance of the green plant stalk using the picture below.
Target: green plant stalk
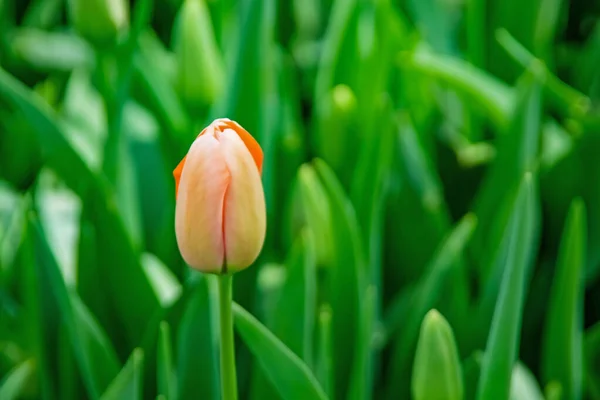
(228, 375)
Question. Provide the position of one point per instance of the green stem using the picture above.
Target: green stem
(228, 376)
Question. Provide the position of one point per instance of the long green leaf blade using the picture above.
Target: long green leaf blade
(563, 351)
(128, 384)
(164, 362)
(292, 378)
(16, 380)
(503, 340)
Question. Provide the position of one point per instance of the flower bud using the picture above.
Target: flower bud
(437, 373)
(334, 133)
(201, 76)
(220, 215)
(99, 21)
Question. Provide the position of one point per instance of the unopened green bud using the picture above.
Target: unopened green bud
(437, 373)
(99, 21)
(523, 385)
(316, 213)
(554, 391)
(333, 139)
(200, 65)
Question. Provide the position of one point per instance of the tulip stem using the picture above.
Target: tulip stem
(228, 375)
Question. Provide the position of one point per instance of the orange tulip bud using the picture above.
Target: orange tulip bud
(220, 216)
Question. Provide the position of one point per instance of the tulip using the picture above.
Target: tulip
(220, 217)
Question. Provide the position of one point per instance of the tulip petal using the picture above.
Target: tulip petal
(199, 210)
(177, 175)
(251, 143)
(244, 221)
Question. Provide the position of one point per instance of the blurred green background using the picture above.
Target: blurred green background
(419, 155)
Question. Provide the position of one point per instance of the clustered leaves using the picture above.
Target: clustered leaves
(432, 184)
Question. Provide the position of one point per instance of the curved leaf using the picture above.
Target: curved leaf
(288, 373)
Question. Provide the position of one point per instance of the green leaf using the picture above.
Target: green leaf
(197, 345)
(471, 371)
(292, 378)
(492, 95)
(361, 384)
(347, 281)
(59, 211)
(269, 287)
(563, 352)
(424, 297)
(587, 76)
(12, 218)
(165, 373)
(20, 152)
(165, 285)
(592, 355)
(43, 13)
(437, 23)
(567, 99)
(251, 69)
(333, 57)
(437, 371)
(517, 151)
(94, 353)
(369, 192)
(16, 381)
(476, 46)
(549, 17)
(38, 312)
(417, 199)
(503, 340)
(158, 95)
(128, 383)
(294, 320)
(324, 361)
(134, 305)
(153, 173)
(335, 134)
(421, 172)
(51, 51)
(502, 15)
(523, 384)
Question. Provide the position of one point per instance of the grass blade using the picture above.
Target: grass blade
(503, 340)
(563, 351)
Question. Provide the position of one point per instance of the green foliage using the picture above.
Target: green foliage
(420, 155)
